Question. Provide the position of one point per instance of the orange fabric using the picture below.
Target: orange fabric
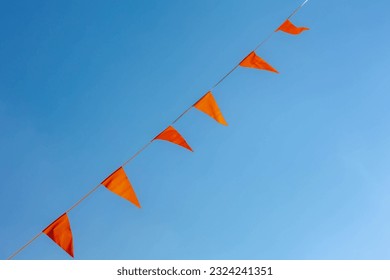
(60, 232)
(254, 61)
(119, 184)
(209, 106)
(170, 134)
(290, 28)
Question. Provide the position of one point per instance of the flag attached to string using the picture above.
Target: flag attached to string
(60, 232)
(255, 61)
(170, 134)
(209, 106)
(119, 184)
(290, 28)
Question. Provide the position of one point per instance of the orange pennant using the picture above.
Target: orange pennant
(255, 61)
(290, 28)
(60, 232)
(170, 134)
(119, 184)
(209, 106)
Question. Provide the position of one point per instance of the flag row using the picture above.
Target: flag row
(60, 230)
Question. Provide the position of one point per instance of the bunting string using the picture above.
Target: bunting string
(60, 231)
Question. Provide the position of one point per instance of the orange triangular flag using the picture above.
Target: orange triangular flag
(60, 232)
(255, 61)
(170, 134)
(290, 28)
(119, 184)
(209, 106)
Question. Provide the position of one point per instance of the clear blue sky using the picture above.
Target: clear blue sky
(301, 172)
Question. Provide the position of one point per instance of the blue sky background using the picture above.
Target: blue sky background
(301, 172)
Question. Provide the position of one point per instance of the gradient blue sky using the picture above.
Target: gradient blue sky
(301, 172)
